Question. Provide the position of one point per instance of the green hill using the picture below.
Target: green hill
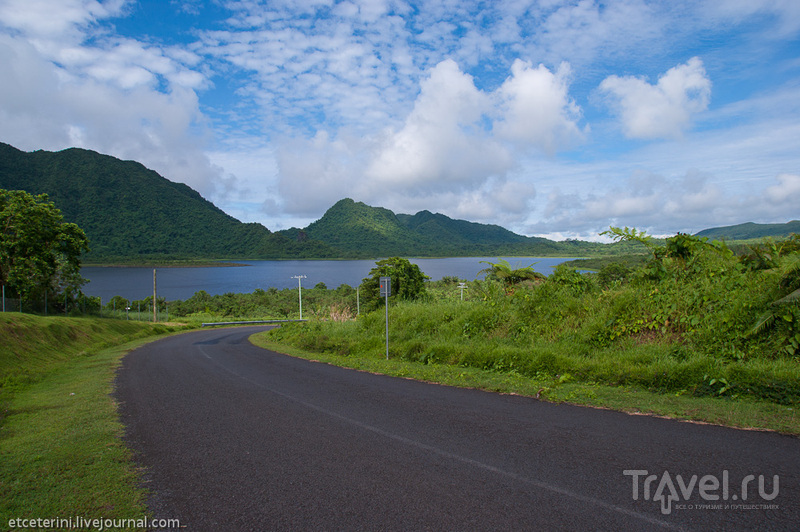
(131, 212)
(750, 230)
(360, 230)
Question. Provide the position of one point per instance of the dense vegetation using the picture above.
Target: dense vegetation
(694, 319)
(40, 254)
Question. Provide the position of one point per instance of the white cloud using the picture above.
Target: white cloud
(314, 173)
(442, 140)
(786, 192)
(56, 20)
(785, 12)
(590, 31)
(662, 110)
(67, 84)
(667, 205)
(444, 157)
(536, 108)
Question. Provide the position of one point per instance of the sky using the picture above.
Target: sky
(550, 118)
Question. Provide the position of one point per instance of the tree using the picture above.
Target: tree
(501, 271)
(408, 281)
(39, 252)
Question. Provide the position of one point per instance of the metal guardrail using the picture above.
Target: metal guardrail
(246, 322)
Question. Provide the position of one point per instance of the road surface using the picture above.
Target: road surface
(234, 437)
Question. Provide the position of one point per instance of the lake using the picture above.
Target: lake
(181, 283)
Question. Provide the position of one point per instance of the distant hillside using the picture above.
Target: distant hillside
(131, 212)
(750, 230)
(360, 230)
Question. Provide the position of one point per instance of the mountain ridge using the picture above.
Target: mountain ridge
(751, 230)
(363, 230)
(130, 212)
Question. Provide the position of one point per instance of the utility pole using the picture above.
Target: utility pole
(386, 291)
(299, 292)
(155, 304)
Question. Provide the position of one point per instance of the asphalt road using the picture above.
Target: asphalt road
(235, 437)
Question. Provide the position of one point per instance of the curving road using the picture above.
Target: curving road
(234, 437)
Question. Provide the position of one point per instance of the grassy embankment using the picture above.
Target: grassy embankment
(60, 449)
(675, 337)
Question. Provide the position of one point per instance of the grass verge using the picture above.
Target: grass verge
(743, 413)
(61, 452)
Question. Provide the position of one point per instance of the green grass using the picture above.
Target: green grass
(739, 413)
(61, 452)
(671, 338)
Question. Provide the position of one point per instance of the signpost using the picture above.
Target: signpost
(299, 292)
(462, 286)
(386, 291)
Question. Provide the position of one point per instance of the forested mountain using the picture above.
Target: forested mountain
(750, 230)
(131, 212)
(360, 230)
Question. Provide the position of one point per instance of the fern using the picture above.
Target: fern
(764, 323)
(794, 297)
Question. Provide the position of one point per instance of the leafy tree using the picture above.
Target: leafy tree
(571, 278)
(501, 271)
(613, 274)
(39, 252)
(408, 281)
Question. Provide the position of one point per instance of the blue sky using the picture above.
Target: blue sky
(551, 118)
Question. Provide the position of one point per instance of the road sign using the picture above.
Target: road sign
(386, 286)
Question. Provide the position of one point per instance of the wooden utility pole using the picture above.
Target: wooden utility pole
(155, 301)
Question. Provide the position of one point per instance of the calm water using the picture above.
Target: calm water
(182, 283)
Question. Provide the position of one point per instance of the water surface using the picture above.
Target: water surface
(181, 283)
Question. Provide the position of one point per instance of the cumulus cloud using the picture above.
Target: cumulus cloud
(447, 152)
(442, 141)
(536, 108)
(314, 173)
(662, 110)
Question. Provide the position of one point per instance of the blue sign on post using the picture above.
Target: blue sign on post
(386, 286)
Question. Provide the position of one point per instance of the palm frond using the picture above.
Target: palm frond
(763, 324)
(794, 297)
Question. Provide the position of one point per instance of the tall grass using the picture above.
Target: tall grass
(686, 330)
